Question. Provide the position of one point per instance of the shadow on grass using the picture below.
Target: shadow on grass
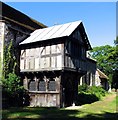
(38, 114)
(104, 116)
(53, 114)
(84, 98)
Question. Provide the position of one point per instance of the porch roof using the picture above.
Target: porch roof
(56, 31)
(101, 74)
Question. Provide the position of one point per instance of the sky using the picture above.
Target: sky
(99, 18)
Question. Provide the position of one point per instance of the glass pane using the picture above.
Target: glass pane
(32, 86)
(42, 86)
(52, 86)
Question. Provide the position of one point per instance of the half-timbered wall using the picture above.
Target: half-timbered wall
(75, 52)
(42, 58)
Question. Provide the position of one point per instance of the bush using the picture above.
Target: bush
(97, 91)
(12, 83)
(88, 94)
(83, 88)
(12, 90)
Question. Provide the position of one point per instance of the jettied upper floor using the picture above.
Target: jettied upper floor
(55, 48)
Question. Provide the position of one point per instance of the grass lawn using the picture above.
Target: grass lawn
(104, 109)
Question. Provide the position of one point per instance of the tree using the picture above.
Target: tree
(116, 41)
(102, 55)
(107, 59)
(115, 72)
(115, 80)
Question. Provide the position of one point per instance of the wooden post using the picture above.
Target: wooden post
(81, 81)
(46, 82)
(91, 79)
(75, 90)
(25, 83)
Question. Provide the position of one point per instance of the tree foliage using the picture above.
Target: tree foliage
(12, 84)
(107, 59)
(116, 41)
(104, 57)
(115, 72)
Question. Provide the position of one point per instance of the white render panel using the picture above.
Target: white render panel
(22, 53)
(59, 48)
(53, 49)
(27, 64)
(37, 52)
(53, 60)
(27, 52)
(43, 51)
(59, 61)
(32, 52)
(32, 63)
(47, 65)
(42, 62)
(22, 64)
(36, 63)
(47, 50)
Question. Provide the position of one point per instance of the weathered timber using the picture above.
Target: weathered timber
(57, 61)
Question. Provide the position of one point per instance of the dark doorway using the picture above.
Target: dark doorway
(69, 92)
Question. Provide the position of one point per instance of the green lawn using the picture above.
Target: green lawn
(105, 109)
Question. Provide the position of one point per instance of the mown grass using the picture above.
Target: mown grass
(104, 109)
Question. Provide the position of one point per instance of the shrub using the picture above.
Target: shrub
(97, 91)
(12, 83)
(12, 90)
(83, 88)
(88, 94)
